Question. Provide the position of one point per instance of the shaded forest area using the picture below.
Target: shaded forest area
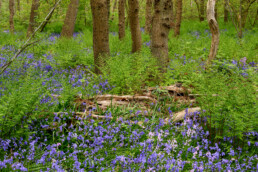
(128, 85)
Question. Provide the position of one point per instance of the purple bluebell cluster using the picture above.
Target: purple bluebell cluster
(89, 145)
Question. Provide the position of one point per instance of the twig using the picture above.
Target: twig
(26, 44)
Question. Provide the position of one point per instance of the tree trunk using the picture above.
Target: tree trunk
(240, 33)
(214, 27)
(148, 15)
(114, 9)
(121, 13)
(48, 18)
(108, 6)
(178, 17)
(135, 25)
(202, 10)
(225, 12)
(216, 10)
(11, 9)
(18, 5)
(70, 19)
(172, 15)
(160, 31)
(256, 18)
(99, 10)
(33, 14)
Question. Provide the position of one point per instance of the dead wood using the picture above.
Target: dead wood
(214, 27)
(179, 116)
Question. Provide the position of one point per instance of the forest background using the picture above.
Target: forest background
(51, 91)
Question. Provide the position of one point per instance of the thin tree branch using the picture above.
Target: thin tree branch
(26, 44)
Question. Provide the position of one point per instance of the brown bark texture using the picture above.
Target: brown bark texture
(11, 9)
(225, 12)
(160, 31)
(178, 18)
(172, 14)
(121, 15)
(33, 14)
(108, 6)
(18, 5)
(202, 10)
(99, 10)
(135, 25)
(148, 16)
(214, 27)
(70, 19)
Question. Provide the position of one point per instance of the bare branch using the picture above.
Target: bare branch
(26, 44)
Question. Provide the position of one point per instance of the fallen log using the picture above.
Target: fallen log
(179, 116)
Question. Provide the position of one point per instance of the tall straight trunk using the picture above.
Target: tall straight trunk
(70, 19)
(240, 33)
(202, 10)
(172, 14)
(148, 15)
(135, 25)
(18, 5)
(121, 13)
(108, 6)
(178, 17)
(225, 12)
(114, 9)
(160, 31)
(11, 9)
(214, 27)
(216, 10)
(33, 14)
(99, 10)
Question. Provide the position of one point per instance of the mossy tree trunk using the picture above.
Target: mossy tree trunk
(201, 9)
(99, 10)
(135, 25)
(160, 31)
(70, 19)
(214, 28)
(178, 18)
(148, 16)
(121, 13)
(33, 15)
(11, 10)
(225, 12)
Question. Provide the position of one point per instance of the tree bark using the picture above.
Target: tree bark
(172, 15)
(108, 6)
(160, 31)
(202, 10)
(148, 16)
(70, 19)
(214, 27)
(216, 10)
(178, 18)
(99, 10)
(18, 5)
(33, 14)
(225, 12)
(121, 13)
(135, 25)
(11, 9)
